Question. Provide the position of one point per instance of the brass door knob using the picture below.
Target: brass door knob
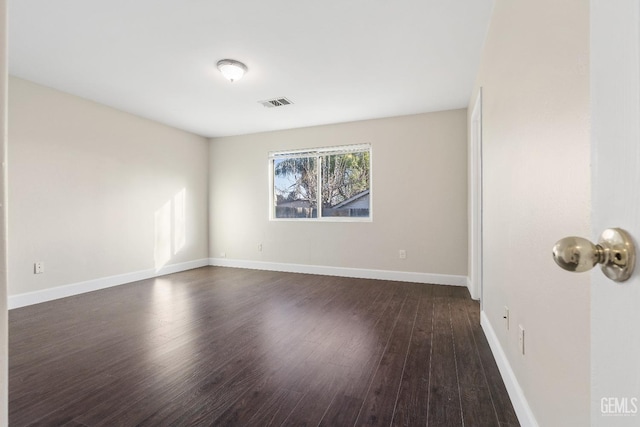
(615, 251)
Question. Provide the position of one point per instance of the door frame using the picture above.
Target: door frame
(615, 202)
(475, 187)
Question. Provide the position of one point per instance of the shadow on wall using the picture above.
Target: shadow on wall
(170, 229)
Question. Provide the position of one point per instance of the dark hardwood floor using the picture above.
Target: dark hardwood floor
(222, 346)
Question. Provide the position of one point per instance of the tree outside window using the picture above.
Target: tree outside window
(340, 178)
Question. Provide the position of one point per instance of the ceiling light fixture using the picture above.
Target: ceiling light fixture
(231, 69)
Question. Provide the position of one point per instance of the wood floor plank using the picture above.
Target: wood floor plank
(223, 346)
(263, 391)
(176, 359)
(372, 344)
(319, 394)
(73, 409)
(444, 394)
(342, 411)
(471, 377)
(380, 400)
(216, 375)
(411, 405)
(276, 410)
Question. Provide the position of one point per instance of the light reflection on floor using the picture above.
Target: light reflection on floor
(172, 319)
(328, 343)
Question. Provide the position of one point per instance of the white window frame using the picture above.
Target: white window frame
(318, 153)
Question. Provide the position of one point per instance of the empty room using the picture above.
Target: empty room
(338, 213)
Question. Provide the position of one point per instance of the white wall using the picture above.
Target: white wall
(96, 192)
(419, 187)
(534, 76)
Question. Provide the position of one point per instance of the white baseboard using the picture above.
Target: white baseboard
(520, 404)
(361, 273)
(36, 297)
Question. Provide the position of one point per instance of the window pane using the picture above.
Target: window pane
(346, 185)
(295, 184)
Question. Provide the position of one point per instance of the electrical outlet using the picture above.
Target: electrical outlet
(521, 338)
(505, 316)
(223, 254)
(402, 254)
(259, 247)
(38, 267)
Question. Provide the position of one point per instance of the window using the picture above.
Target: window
(327, 183)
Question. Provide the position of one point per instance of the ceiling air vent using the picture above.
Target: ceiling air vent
(275, 102)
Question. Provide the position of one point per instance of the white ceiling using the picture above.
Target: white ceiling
(337, 60)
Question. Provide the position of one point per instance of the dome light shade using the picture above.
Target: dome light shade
(231, 69)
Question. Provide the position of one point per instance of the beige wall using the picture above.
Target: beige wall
(419, 188)
(94, 191)
(535, 85)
